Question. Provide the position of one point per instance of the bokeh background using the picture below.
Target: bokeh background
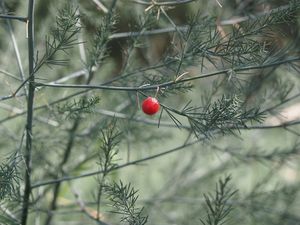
(263, 163)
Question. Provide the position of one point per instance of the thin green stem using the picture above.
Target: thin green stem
(165, 3)
(8, 74)
(29, 137)
(169, 83)
(16, 48)
(138, 161)
(10, 17)
(135, 162)
(67, 153)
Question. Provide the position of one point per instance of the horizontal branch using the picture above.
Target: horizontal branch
(166, 3)
(226, 22)
(10, 17)
(80, 73)
(75, 74)
(143, 120)
(147, 32)
(281, 103)
(265, 127)
(169, 83)
(231, 21)
(135, 162)
(43, 106)
(166, 124)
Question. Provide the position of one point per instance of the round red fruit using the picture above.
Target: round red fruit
(150, 106)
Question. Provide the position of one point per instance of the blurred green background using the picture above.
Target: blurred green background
(170, 187)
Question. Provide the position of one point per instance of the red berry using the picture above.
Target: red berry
(150, 106)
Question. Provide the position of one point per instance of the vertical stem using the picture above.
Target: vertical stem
(28, 149)
(69, 148)
(15, 45)
(66, 156)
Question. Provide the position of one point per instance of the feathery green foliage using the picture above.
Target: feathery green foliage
(78, 108)
(10, 177)
(219, 205)
(109, 139)
(123, 198)
(62, 38)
